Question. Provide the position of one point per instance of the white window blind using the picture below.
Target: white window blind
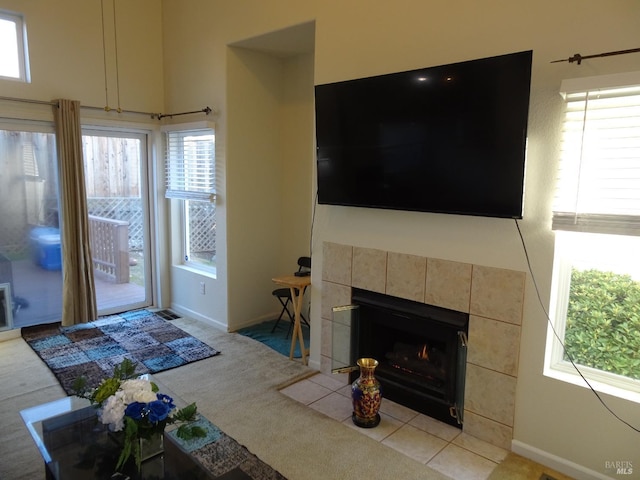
(598, 187)
(190, 164)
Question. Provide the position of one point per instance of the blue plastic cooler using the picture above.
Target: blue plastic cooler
(45, 245)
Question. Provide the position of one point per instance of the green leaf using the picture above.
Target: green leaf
(186, 414)
(130, 445)
(79, 387)
(189, 432)
(108, 387)
(125, 370)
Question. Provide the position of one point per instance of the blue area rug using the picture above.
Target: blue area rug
(276, 340)
(93, 349)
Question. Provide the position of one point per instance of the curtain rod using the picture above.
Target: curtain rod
(205, 110)
(578, 58)
(26, 100)
(159, 116)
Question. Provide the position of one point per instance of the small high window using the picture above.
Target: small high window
(14, 62)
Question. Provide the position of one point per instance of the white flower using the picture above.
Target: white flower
(112, 412)
(138, 390)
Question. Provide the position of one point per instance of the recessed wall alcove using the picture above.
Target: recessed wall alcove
(493, 298)
(267, 146)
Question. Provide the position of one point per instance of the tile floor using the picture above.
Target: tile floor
(436, 444)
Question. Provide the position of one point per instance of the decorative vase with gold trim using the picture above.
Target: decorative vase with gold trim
(366, 395)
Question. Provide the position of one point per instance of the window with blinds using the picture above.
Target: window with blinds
(596, 216)
(598, 188)
(190, 164)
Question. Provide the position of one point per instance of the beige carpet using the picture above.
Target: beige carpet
(238, 391)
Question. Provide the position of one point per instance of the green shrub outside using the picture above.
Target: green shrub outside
(603, 322)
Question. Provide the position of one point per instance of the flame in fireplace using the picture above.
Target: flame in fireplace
(424, 353)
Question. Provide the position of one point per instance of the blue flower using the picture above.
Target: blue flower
(158, 410)
(166, 399)
(136, 410)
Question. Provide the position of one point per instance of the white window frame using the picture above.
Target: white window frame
(555, 365)
(182, 193)
(22, 52)
(574, 222)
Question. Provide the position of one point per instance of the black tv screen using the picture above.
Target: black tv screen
(445, 139)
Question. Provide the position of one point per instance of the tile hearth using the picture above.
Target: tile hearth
(440, 446)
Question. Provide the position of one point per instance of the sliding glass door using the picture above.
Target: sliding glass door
(30, 259)
(115, 177)
(30, 242)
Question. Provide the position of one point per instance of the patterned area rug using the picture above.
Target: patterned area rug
(93, 349)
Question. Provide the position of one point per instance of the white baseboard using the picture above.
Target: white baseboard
(10, 334)
(557, 463)
(195, 315)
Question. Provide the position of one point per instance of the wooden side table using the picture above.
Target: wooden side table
(297, 287)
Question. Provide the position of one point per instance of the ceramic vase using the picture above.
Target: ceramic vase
(366, 395)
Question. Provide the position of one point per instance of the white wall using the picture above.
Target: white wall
(67, 56)
(361, 38)
(268, 176)
(255, 219)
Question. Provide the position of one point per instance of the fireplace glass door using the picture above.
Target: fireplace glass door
(343, 342)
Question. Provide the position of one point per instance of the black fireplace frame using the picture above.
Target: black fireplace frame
(380, 311)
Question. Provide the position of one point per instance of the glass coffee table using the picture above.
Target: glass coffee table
(76, 445)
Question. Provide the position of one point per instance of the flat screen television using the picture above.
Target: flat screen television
(444, 139)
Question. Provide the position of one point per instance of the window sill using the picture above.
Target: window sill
(209, 272)
(609, 384)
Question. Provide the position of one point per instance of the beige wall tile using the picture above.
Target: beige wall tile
(325, 364)
(336, 263)
(325, 341)
(494, 345)
(490, 394)
(333, 295)
(369, 269)
(497, 293)
(485, 429)
(448, 284)
(406, 276)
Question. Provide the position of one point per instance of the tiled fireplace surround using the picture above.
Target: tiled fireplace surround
(492, 297)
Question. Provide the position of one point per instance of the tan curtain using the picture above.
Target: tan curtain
(78, 288)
